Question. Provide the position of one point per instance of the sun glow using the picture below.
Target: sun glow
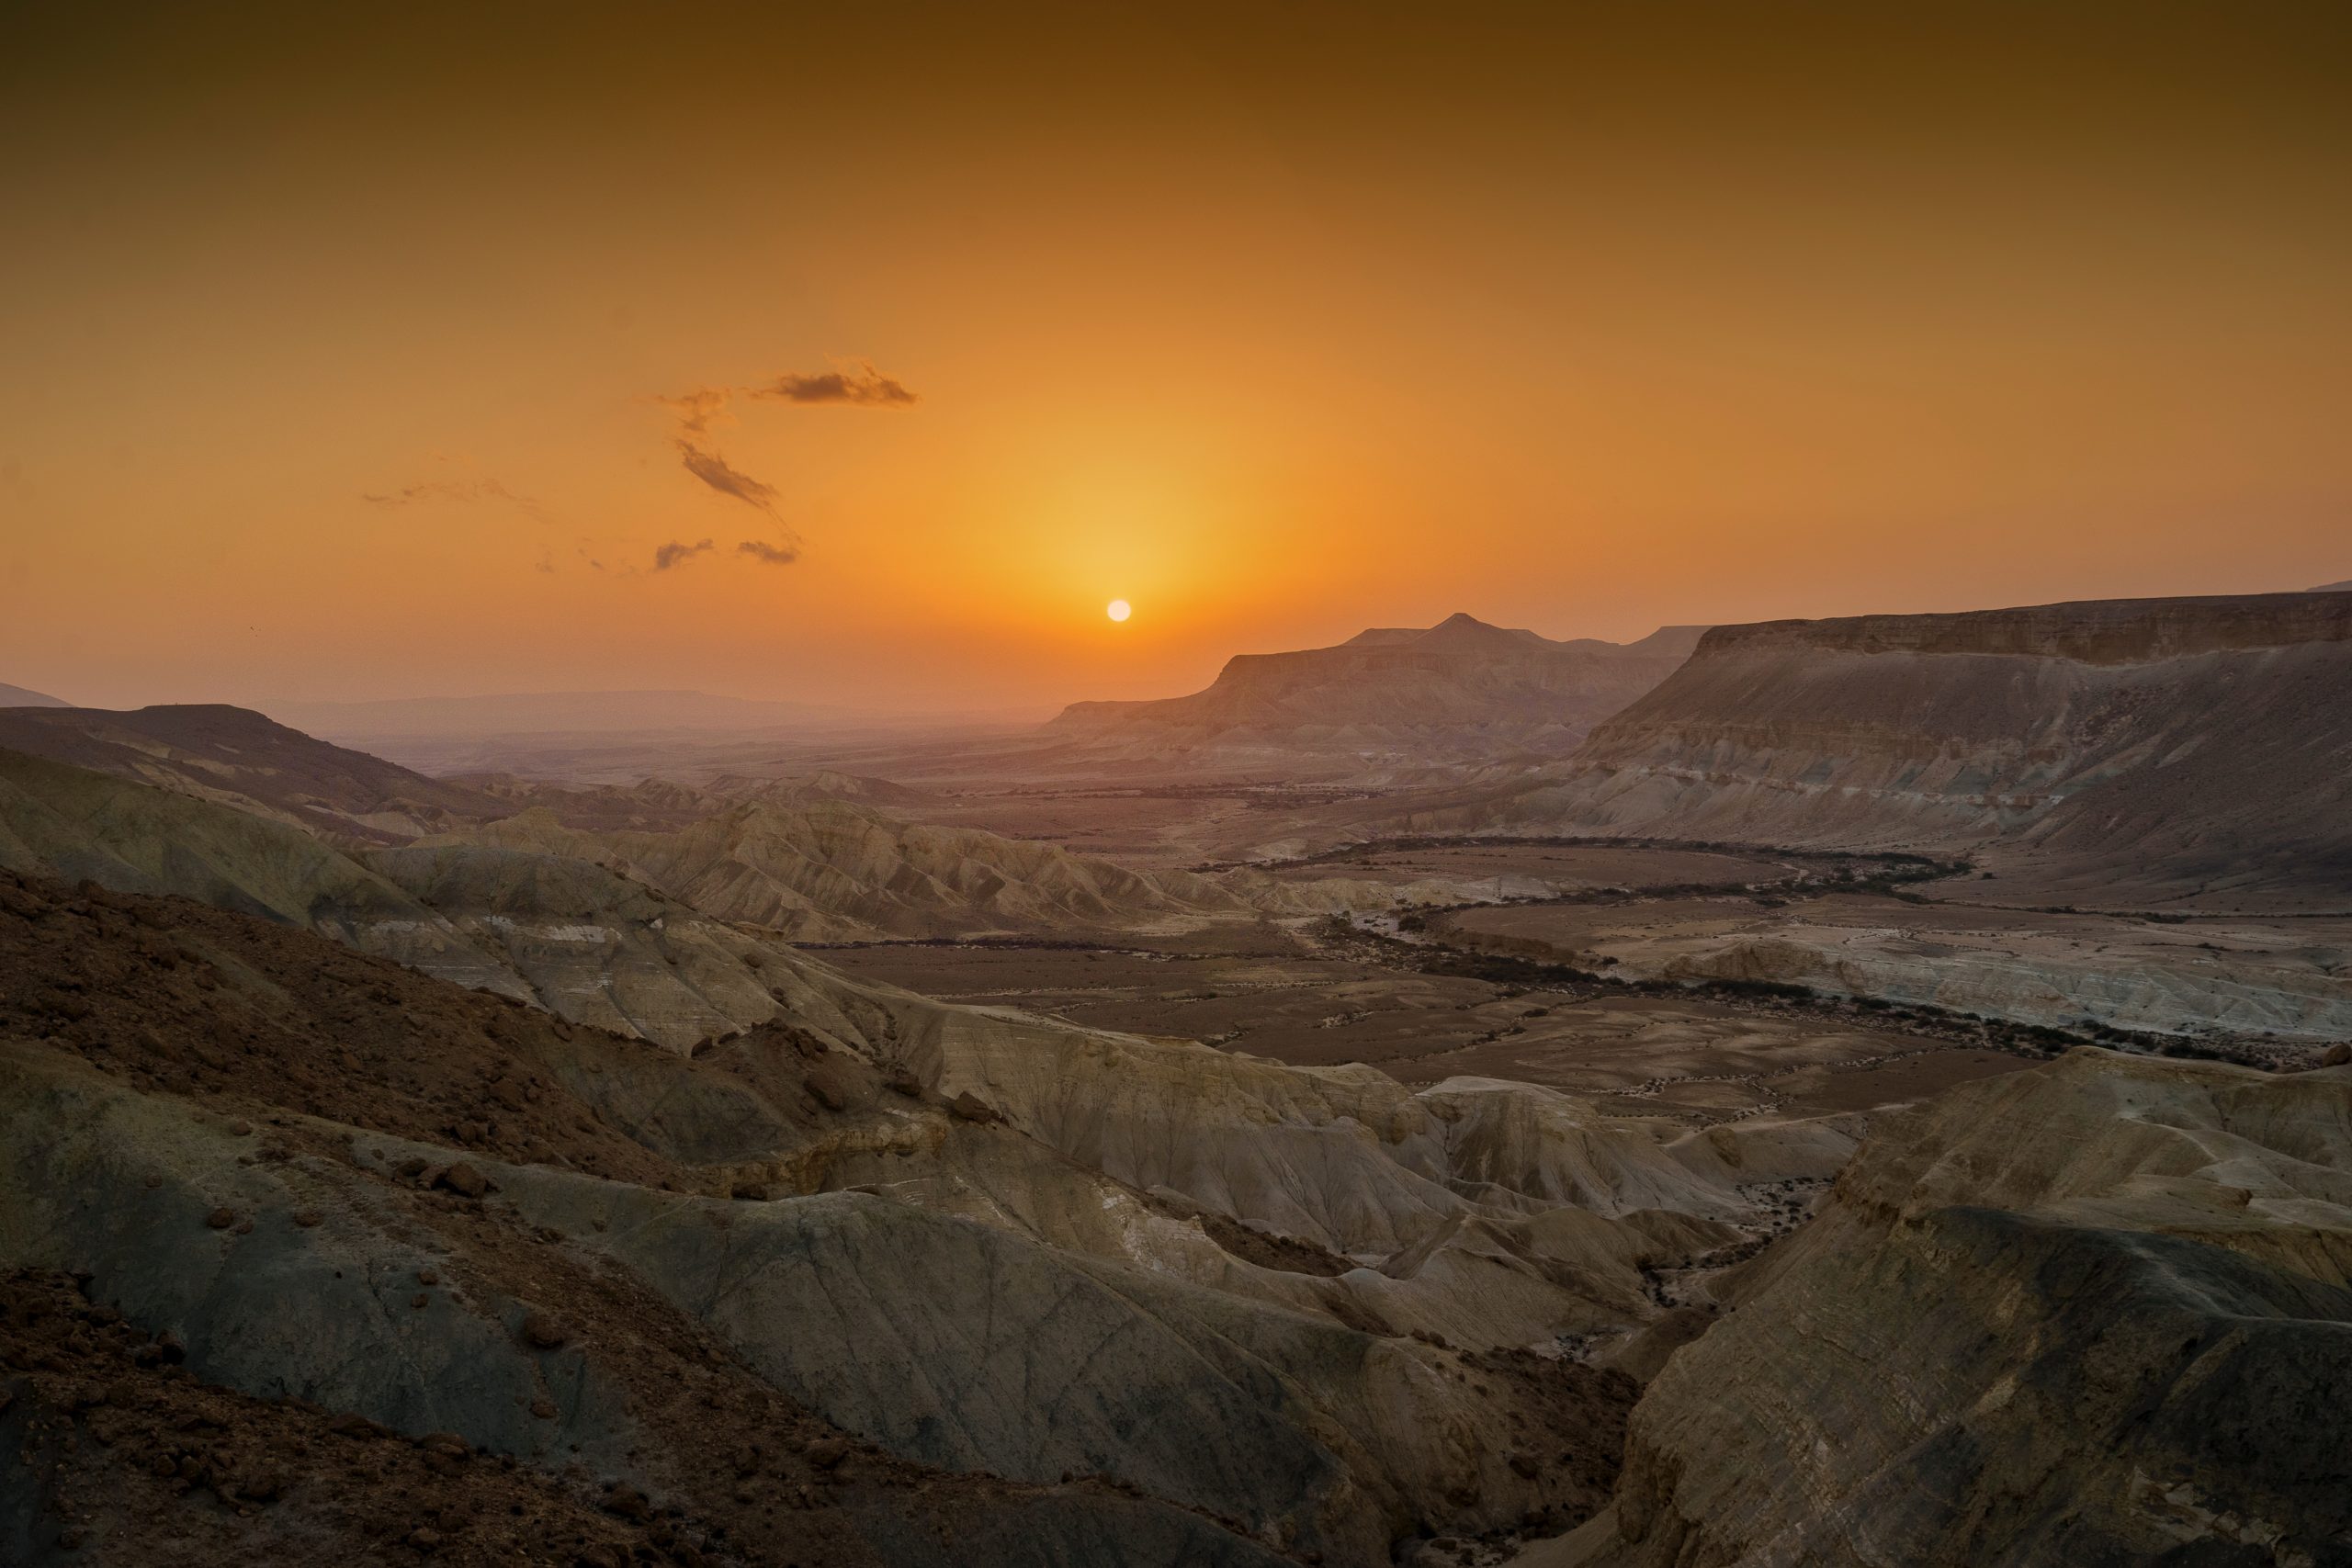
(1118, 610)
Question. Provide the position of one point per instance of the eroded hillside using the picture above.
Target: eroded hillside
(2100, 1313)
(274, 1144)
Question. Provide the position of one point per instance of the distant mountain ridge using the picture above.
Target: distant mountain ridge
(22, 697)
(237, 757)
(1463, 689)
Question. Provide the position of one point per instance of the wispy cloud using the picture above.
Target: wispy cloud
(715, 471)
(433, 491)
(675, 552)
(771, 555)
(700, 410)
(864, 385)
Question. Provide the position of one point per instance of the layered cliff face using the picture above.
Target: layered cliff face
(2180, 746)
(1460, 689)
(2095, 1313)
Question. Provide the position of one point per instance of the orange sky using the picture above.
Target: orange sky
(1277, 328)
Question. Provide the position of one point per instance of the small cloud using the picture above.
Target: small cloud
(713, 471)
(700, 410)
(771, 555)
(460, 491)
(865, 386)
(673, 553)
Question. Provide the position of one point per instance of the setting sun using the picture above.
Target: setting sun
(1118, 610)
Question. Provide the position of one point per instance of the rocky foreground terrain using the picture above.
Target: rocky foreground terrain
(851, 1286)
(2100, 1313)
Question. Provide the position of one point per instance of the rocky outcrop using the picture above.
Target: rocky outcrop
(2095, 1313)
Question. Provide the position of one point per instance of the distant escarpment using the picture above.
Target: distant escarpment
(2182, 746)
(1458, 690)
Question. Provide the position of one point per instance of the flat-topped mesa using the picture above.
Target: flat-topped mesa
(2188, 748)
(2091, 631)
